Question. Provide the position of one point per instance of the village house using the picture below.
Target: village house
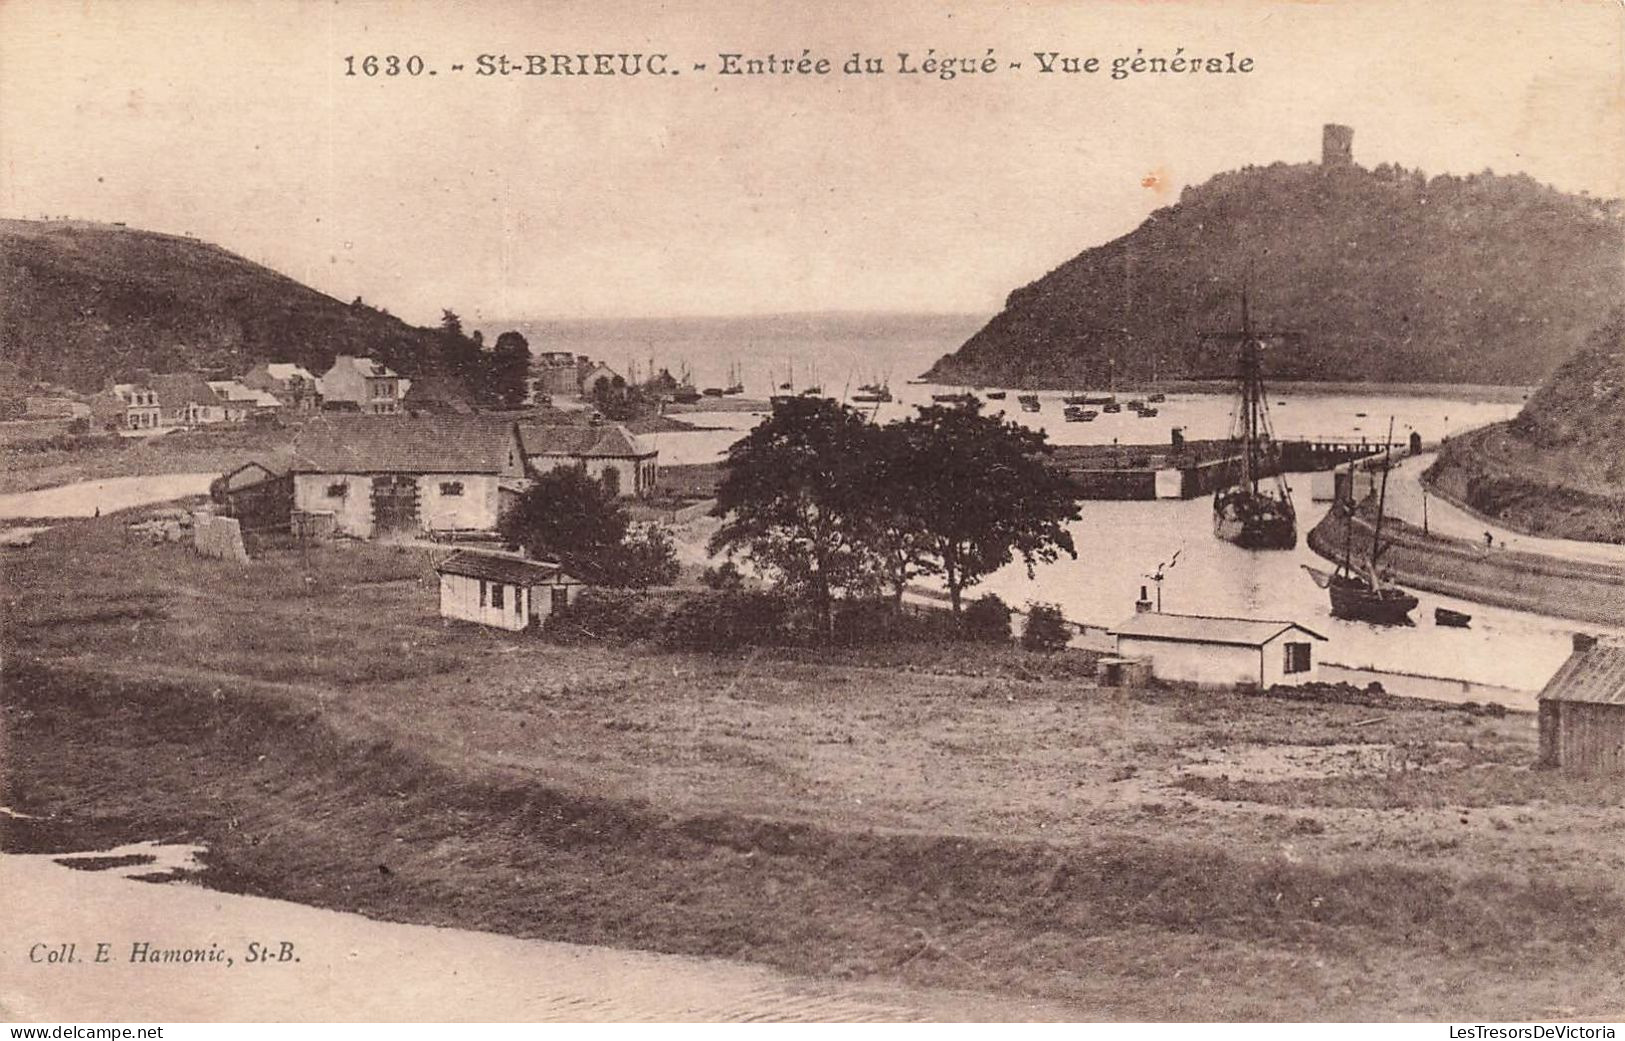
(438, 394)
(370, 386)
(593, 376)
(1582, 709)
(293, 385)
(502, 590)
(185, 400)
(242, 401)
(554, 373)
(1220, 652)
(407, 476)
(623, 462)
(140, 409)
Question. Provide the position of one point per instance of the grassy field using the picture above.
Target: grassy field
(967, 817)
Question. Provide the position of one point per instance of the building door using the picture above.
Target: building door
(394, 504)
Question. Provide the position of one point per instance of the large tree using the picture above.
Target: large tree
(981, 494)
(891, 523)
(508, 370)
(792, 496)
(567, 516)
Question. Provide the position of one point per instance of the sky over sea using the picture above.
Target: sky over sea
(706, 194)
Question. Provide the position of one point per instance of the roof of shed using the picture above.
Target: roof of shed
(1595, 675)
(1190, 628)
(606, 440)
(499, 568)
(403, 444)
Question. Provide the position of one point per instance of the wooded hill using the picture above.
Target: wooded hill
(1388, 275)
(81, 303)
(1558, 469)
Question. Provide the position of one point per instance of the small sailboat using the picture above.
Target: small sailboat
(1028, 402)
(1359, 590)
(872, 393)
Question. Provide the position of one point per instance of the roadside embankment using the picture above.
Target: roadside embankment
(1545, 492)
(1584, 592)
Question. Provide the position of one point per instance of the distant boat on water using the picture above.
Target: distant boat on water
(995, 395)
(1029, 402)
(1079, 414)
(872, 393)
(961, 398)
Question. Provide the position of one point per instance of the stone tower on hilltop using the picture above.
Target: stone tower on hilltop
(1337, 146)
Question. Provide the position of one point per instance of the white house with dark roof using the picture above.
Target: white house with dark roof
(502, 590)
(610, 453)
(1221, 652)
(406, 476)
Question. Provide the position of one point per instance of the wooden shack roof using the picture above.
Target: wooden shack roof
(498, 567)
(1595, 675)
(1190, 628)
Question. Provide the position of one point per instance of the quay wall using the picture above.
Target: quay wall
(1592, 593)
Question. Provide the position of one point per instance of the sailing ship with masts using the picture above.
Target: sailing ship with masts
(1358, 589)
(1254, 509)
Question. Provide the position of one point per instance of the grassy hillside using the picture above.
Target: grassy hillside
(1388, 276)
(82, 302)
(1558, 469)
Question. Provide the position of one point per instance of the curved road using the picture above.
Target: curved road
(1405, 502)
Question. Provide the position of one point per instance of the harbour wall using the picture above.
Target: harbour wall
(1582, 592)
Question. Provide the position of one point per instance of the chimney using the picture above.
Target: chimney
(1143, 605)
(1336, 146)
(1178, 438)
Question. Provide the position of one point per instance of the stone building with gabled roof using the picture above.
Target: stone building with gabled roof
(611, 454)
(406, 476)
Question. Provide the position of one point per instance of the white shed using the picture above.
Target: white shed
(1221, 652)
(500, 590)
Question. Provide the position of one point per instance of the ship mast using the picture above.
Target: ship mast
(1251, 392)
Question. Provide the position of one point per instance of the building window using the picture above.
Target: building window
(611, 479)
(337, 491)
(518, 601)
(496, 593)
(1297, 658)
(561, 597)
(451, 489)
(482, 592)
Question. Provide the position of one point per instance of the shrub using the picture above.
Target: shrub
(1046, 629)
(988, 618)
(725, 577)
(644, 558)
(610, 614)
(727, 621)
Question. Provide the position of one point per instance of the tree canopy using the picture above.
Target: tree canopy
(831, 505)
